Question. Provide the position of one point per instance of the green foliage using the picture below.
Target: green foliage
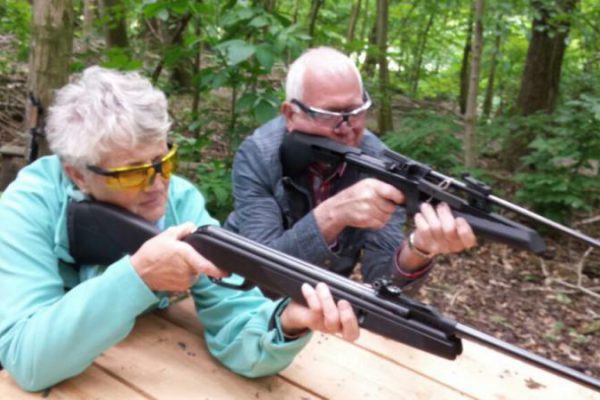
(557, 177)
(15, 17)
(430, 138)
(245, 49)
(212, 176)
(247, 45)
(214, 181)
(121, 59)
(561, 170)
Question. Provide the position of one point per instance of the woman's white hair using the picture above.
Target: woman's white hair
(102, 110)
(326, 60)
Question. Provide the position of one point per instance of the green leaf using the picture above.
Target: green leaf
(264, 111)
(163, 15)
(265, 56)
(259, 21)
(237, 51)
(173, 55)
(246, 101)
(219, 79)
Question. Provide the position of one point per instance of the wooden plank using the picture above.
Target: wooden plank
(334, 368)
(480, 372)
(168, 362)
(183, 314)
(341, 370)
(92, 384)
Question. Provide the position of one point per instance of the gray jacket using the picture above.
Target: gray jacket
(276, 210)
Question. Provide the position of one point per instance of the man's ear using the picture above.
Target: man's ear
(287, 110)
(76, 176)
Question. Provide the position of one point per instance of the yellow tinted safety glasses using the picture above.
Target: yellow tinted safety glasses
(138, 176)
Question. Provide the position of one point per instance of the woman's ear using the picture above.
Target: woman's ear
(76, 176)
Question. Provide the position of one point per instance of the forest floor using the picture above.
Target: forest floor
(533, 302)
(526, 300)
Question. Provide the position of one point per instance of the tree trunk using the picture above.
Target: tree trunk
(49, 57)
(115, 13)
(176, 37)
(489, 91)
(268, 5)
(365, 23)
(541, 77)
(197, 68)
(384, 120)
(296, 11)
(422, 44)
(465, 67)
(89, 9)
(181, 74)
(312, 19)
(470, 143)
(353, 21)
(372, 49)
(404, 72)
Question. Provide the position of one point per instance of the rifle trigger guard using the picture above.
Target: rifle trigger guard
(245, 286)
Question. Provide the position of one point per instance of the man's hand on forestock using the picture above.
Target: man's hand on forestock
(438, 232)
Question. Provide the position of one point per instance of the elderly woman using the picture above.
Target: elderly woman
(108, 131)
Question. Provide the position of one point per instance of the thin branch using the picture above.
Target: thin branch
(182, 25)
(580, 265)
(544, 269)
(586, 221)
(154, 33)
(581, 288)
(455, 296)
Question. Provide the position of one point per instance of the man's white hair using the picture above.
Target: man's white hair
(324, 60)
(103, 110)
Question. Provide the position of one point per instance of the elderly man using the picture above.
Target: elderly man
(329, 215)
(109, 133)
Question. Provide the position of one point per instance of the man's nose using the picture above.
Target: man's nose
(344, 122)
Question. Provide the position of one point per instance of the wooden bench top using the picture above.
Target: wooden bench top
(165, 357)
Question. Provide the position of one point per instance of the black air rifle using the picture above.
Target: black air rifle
(101, 234)
(470, 199)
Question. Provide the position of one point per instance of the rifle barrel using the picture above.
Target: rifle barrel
(466, 332)
(507, 205)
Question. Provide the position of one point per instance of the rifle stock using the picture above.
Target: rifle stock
(101, 233)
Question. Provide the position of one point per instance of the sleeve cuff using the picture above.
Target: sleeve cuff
(275, 323)
(137, 294)
(410, 274)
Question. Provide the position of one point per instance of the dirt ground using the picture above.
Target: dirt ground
(526, 300)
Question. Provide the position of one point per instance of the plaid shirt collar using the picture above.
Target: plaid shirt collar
(321, 178)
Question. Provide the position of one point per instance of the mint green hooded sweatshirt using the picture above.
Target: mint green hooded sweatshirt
(54, 322)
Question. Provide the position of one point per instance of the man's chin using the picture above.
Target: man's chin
(352, 139)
